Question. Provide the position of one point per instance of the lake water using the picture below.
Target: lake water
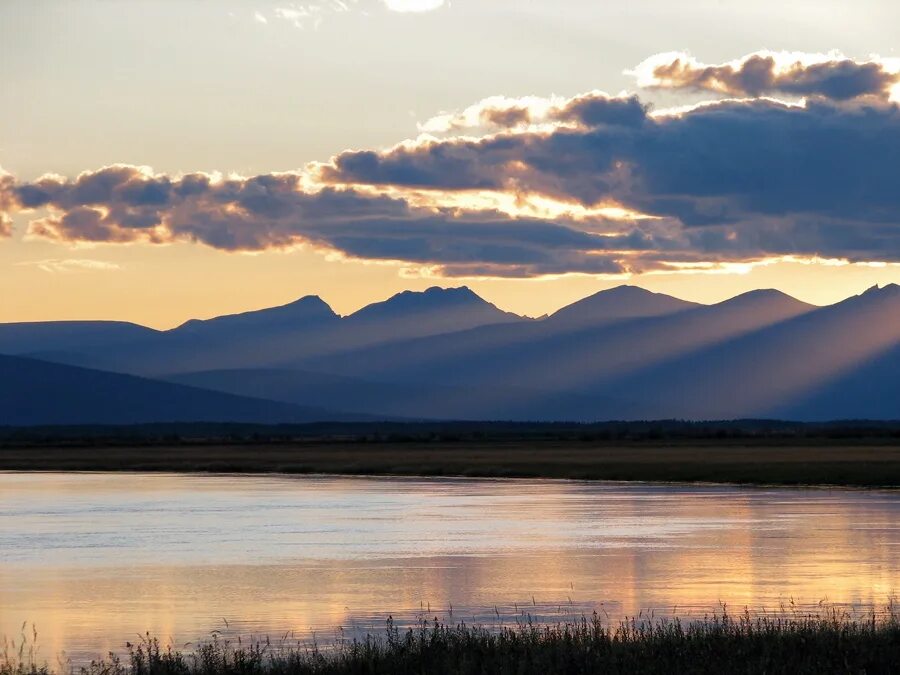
(93, 560)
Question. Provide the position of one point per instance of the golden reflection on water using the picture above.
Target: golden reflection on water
(95, 560)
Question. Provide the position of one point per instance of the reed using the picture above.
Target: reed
(827, 642)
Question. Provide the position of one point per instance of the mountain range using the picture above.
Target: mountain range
(623, 353)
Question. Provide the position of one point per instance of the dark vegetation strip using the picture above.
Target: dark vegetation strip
(394, 432)
(811, 644)
(860, 463)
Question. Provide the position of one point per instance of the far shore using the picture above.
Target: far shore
(864, 463)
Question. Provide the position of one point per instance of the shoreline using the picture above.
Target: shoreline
(890, 489)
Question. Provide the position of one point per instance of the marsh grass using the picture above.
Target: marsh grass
(742, 461)
(785, 642)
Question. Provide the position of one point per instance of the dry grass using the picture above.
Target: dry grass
(741, 461)
(787, 643)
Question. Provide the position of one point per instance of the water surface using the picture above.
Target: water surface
(93, 560)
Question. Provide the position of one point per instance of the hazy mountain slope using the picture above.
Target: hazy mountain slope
(761, 354)
(870, 390)
(249, 339)
(422, 401)
(544, 356)
(36, 393)
(783, 370)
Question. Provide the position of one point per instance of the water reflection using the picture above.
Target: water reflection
(93, 560)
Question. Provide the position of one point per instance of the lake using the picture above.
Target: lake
(93, 560)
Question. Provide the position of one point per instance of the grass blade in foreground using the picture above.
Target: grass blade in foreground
(830, 643)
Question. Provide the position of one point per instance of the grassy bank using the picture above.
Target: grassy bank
(811, 644)
(867, 463)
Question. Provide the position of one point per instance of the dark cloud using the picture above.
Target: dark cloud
(762, 177)
(762, 74)
(125, 204)
(498, 112)
(506, 117)
(593, 110)
(723, 182)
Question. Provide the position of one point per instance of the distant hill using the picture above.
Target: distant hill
(39, 393)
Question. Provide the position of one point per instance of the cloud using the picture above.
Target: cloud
(500, 112)
(7, 202)
(123, 204)
(311, 14)
(831, 76)
(742, 178)
(591, 184)
(306, 14)
(67, 265)
(413, 5)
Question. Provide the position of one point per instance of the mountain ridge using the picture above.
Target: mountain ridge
(623, 352)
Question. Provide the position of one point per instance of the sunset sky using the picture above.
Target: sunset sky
(165, 160)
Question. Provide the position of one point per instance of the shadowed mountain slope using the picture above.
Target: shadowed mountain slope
(39, 393)
(870, 390)
(416, 401)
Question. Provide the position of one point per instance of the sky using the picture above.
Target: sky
(166, 160)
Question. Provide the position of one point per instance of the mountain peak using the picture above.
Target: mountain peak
(436, 309)
(883, 291)
(886, 296)
(763, 296)
(439, 293)
(307, 302)
(452, 290)
(626, 289)
(433, 298)
(758, 308)
(620, 302)
(305, 310)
